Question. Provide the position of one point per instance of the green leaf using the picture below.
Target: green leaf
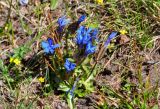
(89, 86)
(54, 4)
(78, 69)
(20, 52)
(80, 93)
(3, 68)
(70, 59)
(1, 65)
(86, 69)
(146, 41)
(63, 87)
(86, 61)
(10, 80)
(155, 107)
(1, 30)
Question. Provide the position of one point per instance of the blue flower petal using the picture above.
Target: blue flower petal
(69, 65)
(94, 33)
(23, 2)
(83, 35)
(51, 51)
(81, 19)
(80, 34)
(48, 46)
(44, 44)
(72, 66)
(90, 48)
(107, 42)
(62, 21)
(79, 39)
(50, 41)
(86, 39)
(110, 37)
(113, 34)
(46, 50)
(55, 46)
(88, 30)
(81, 30)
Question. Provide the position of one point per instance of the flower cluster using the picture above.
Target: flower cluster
(85, 37)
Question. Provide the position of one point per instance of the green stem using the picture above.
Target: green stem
(70, 103)
(91, 74)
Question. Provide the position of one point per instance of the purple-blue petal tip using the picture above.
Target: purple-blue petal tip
(81, 19)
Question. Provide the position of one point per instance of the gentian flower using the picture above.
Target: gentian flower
(110, 37)
(83, 35)
(80, 34)
(113, 34)
(81, 30)
(81, 19)
(79, 39)
(50, 41)
(69, 65)
(23, 2)
(62, 21)
(87, 36)
(90, 48)
(48, 46)
(88, 31)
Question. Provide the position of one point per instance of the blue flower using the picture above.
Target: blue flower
(79, 39)
(110, 37)
(113, 34)
(94, 34)
(50, 41)
(83, 35)
(80, 34)
(62, 21)
(81, 19)
(23, 2)
(81, 30)
(86, 39)
(90, 48)
(87, 36)
(71, 92)
(69, 65)
(48, 46)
